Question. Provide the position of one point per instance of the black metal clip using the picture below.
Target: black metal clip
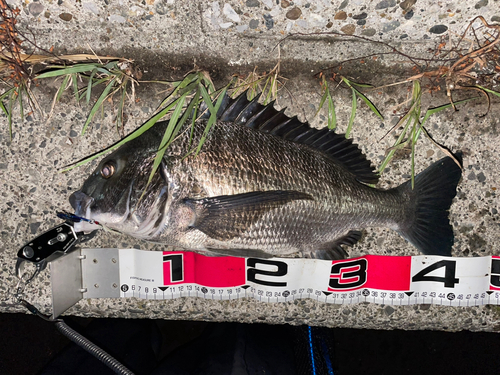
(47, 247)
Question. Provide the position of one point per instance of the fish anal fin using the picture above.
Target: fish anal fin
(228, 216)
(334, 250)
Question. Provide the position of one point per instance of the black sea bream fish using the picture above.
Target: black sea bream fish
(262, 185)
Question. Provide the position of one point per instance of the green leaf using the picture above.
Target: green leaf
(191, 110)
(346, 81)
(11, 103)
(332, 117)
(213, 116)
(369, 103)
(208, 82)
(396, 144)
(323, 100)
(434, 110)
(89, 86)
(196, 106)
(167, 136)
(360, 84)
(111, 65)
(353, 113)
(121, 104)
(20, 99)
(79, 68)
(179, 85)
(74, 78)
(62, 87)
(189, 88)
(489, 90)
(207, 99)
(98, 103)
(2, 106)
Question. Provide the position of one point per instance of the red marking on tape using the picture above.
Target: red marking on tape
(216, 272)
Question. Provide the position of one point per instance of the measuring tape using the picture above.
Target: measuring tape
(390, 280)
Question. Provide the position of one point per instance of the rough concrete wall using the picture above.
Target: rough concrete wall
(166, 39)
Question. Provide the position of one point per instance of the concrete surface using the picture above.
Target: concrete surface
(166, 39)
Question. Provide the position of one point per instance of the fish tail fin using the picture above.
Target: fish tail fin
(427, 226)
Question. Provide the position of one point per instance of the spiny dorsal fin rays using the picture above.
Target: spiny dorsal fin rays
(269, 120)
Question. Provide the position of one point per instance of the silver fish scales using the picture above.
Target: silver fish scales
(262, 185)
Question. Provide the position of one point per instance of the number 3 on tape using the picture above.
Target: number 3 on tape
(348, 275)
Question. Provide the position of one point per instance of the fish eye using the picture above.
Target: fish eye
(108, 169)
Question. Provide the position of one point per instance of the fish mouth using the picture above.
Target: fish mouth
(81, 203)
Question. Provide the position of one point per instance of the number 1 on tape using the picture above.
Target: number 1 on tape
(393, 280)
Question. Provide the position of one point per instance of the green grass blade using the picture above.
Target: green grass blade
(167, 136)
(179, 85)
(20, 99)
(121, 104)
(208, 82)
(322, 102)
(213, 116)
(8, 112)
(189, 88)
(207, 99)
(196, 106)
(396, 146)
(173, 121)
(111, 65)
(11, 104)
(414, 138)
(105, 72)
(332, 117)
(2, 107)
(78, 68)
(89, 86)
(264, 90)
(353, 113)
(190, 111)
(369, 103)
(434, 110)
(136, 133)
(360, 84)
(74, 78)
(489, 90)
(346, 81)
(62, 87)
(98, 103)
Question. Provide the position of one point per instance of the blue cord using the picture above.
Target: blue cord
(75, 219)
(311, 350)
(327, 357)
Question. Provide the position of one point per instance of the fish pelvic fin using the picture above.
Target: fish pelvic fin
(427, 226)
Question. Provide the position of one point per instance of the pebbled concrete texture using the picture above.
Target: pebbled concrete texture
(168, 38)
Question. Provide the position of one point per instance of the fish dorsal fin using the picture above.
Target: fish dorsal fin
(269, 120)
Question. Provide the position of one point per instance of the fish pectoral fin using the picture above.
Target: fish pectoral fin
(228, 216)
(334, 250)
